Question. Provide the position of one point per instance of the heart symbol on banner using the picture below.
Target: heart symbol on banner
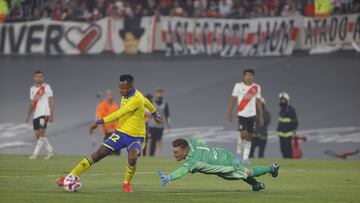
(83, 40)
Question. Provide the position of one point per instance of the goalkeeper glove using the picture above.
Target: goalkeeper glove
(164, 178)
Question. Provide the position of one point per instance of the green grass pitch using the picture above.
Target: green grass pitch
(24, 180)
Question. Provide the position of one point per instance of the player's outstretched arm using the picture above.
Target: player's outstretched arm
(178, 173)
(150, 106)
(164, 179)
(152, 109)
(94, 125)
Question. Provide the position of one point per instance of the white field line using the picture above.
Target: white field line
(137, 173)
(93, 174)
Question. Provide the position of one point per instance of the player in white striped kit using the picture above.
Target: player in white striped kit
(248, 95)
(42, 108)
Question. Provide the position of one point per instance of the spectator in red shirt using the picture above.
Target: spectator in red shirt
(58, 12)
(258, 11)
(273, 6)
(310, 8)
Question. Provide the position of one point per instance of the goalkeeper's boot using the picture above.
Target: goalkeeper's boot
(60, 181)
(275, 167)
(127, 187)
(259, 186)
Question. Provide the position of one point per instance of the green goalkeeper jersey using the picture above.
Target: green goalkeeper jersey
(204, 159)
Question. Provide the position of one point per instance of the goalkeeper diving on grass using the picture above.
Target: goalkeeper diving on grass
(200, 158)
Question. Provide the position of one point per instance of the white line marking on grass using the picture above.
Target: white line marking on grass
(138, 173)
(94, 174)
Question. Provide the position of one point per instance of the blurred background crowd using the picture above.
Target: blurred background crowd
(90, 10)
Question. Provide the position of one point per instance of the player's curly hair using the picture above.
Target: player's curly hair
(249, 70)
(182, 143)
(126, 78)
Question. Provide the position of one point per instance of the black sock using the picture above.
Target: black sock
(251, 181)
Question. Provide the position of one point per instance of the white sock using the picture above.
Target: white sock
(239, 146)
(48, 147)
(247, 147)
(39, 145)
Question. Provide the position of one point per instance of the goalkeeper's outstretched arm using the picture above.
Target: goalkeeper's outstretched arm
(178, 173)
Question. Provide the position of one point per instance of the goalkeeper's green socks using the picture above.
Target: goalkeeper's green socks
(260, 170)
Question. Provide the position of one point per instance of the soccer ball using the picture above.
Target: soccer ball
(72, 183)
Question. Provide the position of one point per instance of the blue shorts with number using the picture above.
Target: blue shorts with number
(119, 140)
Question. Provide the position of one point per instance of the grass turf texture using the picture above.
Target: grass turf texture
(24, 180)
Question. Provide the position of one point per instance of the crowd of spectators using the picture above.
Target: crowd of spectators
(90, 10)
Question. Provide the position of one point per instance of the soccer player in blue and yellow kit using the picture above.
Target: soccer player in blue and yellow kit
(130, 131)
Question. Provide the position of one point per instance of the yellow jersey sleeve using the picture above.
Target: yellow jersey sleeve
(149, 106)
(131, 105)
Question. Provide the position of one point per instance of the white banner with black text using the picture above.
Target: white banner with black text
(327, 31)
(230, 37)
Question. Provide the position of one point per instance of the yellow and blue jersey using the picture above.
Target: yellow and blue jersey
(131, 114)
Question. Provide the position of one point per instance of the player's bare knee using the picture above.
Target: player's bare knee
(99, 154)
(132, 156)
(248, 136)
(39, 133)
(242, 136)
(95, 157)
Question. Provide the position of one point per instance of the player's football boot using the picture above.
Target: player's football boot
(49, 155)
(33, 156)
(127, 187)
(275, 167)
(60, 181)
(259, 186)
